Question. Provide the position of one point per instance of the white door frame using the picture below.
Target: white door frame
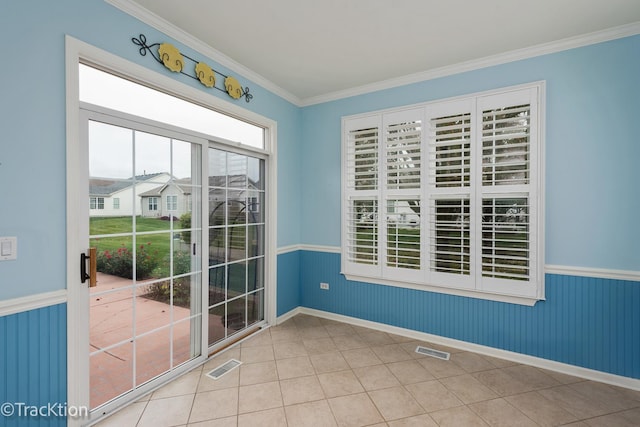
(77, 308)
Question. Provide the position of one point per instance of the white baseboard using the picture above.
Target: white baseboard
(288, 315)
(538, 362)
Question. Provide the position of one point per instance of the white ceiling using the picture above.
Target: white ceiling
(312, 48)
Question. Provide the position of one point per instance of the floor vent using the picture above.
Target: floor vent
(224, 368)
(433, 353)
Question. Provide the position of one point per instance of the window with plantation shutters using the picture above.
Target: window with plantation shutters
(449, 190)
(446, 196)
(361, 229)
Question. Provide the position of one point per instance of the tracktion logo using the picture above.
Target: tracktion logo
(50, 410)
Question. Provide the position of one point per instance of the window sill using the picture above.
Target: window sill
(511, 299)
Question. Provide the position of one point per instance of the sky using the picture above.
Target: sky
(120, 153)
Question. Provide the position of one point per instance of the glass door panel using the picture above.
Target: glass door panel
(236, 243)
(144, 204)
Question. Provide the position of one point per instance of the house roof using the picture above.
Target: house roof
(232, 181)
(106, 187)
(185, 186)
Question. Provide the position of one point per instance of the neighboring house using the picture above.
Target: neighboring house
(115, 198)
(239, 188)
(170, 199)
(174, 198)
(402, 213)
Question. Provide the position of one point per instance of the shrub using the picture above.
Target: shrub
(185, 223)
(120, 263)
(161, 291)
(181, 263)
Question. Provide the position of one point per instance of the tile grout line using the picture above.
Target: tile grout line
(146, 403)
(202, 373)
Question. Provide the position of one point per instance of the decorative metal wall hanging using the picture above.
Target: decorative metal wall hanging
(169, 56)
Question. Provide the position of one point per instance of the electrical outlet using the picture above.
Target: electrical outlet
(324, 286)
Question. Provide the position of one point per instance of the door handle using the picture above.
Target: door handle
(93, 263)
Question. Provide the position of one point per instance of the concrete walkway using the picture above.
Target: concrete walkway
(112, 320)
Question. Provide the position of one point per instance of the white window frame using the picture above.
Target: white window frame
(421, 275)
(116, 203)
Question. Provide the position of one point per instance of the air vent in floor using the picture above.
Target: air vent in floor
(433, 353)
(224, 368)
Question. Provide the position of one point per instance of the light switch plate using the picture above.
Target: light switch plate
(8, 248)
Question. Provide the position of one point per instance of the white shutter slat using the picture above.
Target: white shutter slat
(450, 151)
(505, 134)
(512, 109)
(403, 154)
(506, 238)
(362, 159)
(362, 231)
(449, 236)
(403, 245)
(506, 146)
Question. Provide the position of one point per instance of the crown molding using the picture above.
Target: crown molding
(146, 16)
(134, 9)
(489, 61)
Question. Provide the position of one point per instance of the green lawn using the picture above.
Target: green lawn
(124, 224)
(120, 225)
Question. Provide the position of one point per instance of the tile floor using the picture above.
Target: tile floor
(315, 372)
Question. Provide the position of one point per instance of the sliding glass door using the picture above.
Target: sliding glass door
(145, 223)
(236, 190)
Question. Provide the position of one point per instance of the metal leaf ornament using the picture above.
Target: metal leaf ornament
(171, 57)
(234, 89)
(205, 74)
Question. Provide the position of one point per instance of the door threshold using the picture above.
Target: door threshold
(236, 339)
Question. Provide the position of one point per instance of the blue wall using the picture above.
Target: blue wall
(33, 363)
(587, 322)
(289, 290)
